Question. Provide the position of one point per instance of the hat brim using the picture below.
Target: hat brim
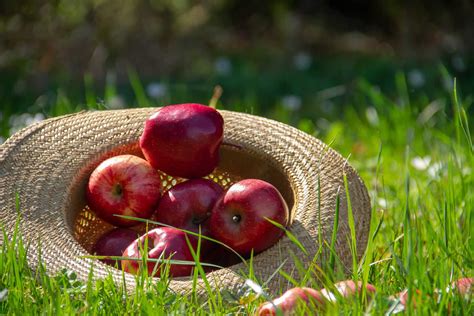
(47, 165)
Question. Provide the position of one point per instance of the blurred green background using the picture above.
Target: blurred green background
(294, 61)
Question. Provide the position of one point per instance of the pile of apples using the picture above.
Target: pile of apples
(182, 141)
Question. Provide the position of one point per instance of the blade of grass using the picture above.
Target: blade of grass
(110, 86)
(461, 121)
(289, 234)
(351, 222)
(137, 86)
(89, 91)
(373, 230)
(334, 233)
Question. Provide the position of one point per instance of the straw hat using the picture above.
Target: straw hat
(47, 166)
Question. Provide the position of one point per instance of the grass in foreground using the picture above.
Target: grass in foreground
(415, 156)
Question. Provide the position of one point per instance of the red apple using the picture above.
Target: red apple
(347, 289)
(113, 243)
(183, 140)
(163, 243)
(124, 185)
(188, 205)
(239, 218)
(417, 298)
(288, 303)
(463, 286)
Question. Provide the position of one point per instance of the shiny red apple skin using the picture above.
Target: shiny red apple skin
(348, 289)
(164, 243)
(314, 300)
(113, 243)
(417, 298)
(188, 205)
(288, 303)
(239, 218)
(124, 185)
(464, 286)
(183, 140)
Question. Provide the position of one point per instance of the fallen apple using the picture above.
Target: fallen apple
(416, 297)
(240, 217)
(113, 243)
(348, 288)
(123, 185)
(288, 303)
(183, 140)
(463, 286)
(163, 243)
(188, 205)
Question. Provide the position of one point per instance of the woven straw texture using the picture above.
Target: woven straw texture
(47, 166)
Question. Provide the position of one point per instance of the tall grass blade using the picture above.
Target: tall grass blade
(334, 233)
(351, 222)
(461, 119)
(138, 89)
(89, 91)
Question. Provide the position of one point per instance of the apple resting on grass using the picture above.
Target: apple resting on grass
(124, 185)
(347, 289)
(188, 205)
(313, 299)
(163, 243)
(113, 243)
(183, 140)
(288, 303)
(239, 218)
(464, 286)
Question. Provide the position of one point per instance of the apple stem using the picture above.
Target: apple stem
(215, 96)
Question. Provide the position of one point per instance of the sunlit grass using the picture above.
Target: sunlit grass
(416, 158)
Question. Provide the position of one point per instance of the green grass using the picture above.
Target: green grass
(414, 152)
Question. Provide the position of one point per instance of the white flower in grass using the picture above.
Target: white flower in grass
(421, 163)
(3, 295)
(382, 202)
(116, 102)
(223, 66)
(302, 61)
(156, 90)
(435, 170)
(416, 78)
(372, 116)
(291, 102)
(34, 118)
